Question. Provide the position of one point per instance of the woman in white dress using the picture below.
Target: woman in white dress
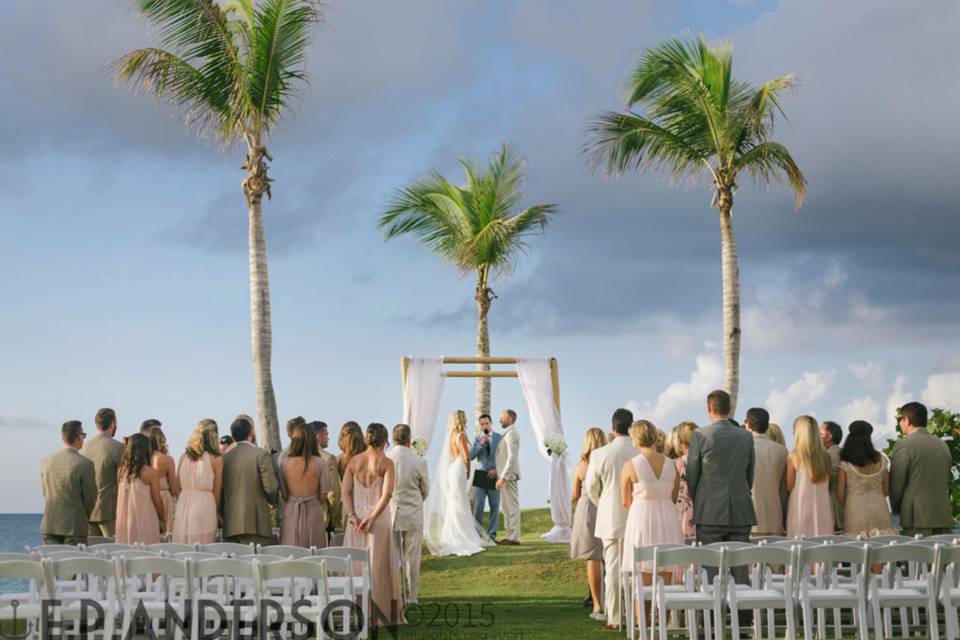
(451, 529)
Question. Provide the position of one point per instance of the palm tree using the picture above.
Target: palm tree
(697, 121)
(229, 70)
(475, 227)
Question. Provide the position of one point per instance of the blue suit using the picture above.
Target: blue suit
(486, 455)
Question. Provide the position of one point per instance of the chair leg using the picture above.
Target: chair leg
(836, 625)
(734, 622)
(878, 622)
(791, 622)
(662, 619)
(757, 625)
(933, 618)
(771, 624)
(822, 624)
(807, 622)
(904, 623)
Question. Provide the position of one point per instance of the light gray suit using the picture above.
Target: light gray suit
(508, 470)
(769, 485)
(603, 488)
(249, 487)
(406, 509)
(920, 475)
(106, 454)
(69, 486)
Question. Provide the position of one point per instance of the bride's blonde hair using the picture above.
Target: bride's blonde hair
(457, 421)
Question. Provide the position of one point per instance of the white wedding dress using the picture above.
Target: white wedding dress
(449, 527)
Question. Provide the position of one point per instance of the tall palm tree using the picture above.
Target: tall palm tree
(230, 69)
(697, 121)
(476, 228)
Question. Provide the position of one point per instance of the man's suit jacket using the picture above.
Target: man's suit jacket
(508, 455)
(249, 486)
(409, 490)
(920, 478)
(69, 485)
(769, 485)
(335, 511)
(106, 454)
(603, 485)
(834, 452)
(720, 475)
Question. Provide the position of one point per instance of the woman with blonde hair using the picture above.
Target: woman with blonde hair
(584, 545)
(684, 432)
(201, 478)
(775, 433)
(809, 507)
(161, 460)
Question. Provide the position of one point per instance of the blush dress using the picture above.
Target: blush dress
(196, 520)
(137, 519)
(304, 521)
(653, 517)
(809, 507)
(584, 545)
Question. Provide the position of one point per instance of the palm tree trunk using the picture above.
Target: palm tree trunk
(483, 296)
(255, 185)
(730, 267)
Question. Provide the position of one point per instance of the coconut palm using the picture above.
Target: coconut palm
(477, 228)
(229, 70)
(696, 121)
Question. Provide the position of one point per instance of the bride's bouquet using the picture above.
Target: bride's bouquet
(555, 444)
(419, 445)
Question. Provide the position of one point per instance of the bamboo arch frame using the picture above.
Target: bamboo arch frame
(554, 371)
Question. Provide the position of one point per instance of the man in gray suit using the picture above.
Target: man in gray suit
(831, 434)
(920, 475)
(406, 505)
(69, 485)
(106, 454)
(720, 479)
(249, 487)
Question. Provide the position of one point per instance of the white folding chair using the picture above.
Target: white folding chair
(99, 577)
(171, 548)
(287, 551)
(25, 605)
(763, 592)
(226, 582)
(111, 547)
(228, 548)
(304, 579)
(695, 598)
(818, 588)
(950, 589)
(44, 549)
(342, 585)
(888, 590)
(359, 577)
(830, 539)
(636, 595)
(157, 583)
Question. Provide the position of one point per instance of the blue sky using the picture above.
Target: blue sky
(124, 239)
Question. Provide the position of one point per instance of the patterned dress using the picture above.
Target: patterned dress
(684, 501)
(865, 510)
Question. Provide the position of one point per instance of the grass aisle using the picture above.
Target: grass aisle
(527, 592)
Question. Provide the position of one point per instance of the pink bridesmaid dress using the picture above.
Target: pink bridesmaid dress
(196, 520)
(653, 518)
(809, 508)
(137, 519)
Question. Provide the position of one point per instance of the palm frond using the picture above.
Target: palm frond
(771, 162)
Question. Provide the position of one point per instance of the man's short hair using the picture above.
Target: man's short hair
(70, 431)
(512, 414)
(401, 434)
(482, 416)
(759, 419)
(240, 429)
(718, 402)
(148, 424)
(621, 421)
(915, 413)
(836, 433)
(318, 425)
(105, 418)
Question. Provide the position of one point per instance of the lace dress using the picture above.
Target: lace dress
(865, 510)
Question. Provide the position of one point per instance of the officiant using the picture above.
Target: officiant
(484, 451)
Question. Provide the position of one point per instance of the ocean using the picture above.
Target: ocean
(18, 530)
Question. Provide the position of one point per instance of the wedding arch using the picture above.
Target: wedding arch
(423, 378)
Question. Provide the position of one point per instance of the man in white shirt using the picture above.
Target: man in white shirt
(406, 505)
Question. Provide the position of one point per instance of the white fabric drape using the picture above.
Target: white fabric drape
(421, 396)
(537, 385)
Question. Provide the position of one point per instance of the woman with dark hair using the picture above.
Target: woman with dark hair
(201, 477)
(863, 483)
(161, 460)
(304, 484)
(139, 505)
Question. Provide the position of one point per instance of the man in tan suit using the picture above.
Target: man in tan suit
(406, 506)
(831, 434)
(69, 486)
(249, 487)
(603, 488)
(508, 475)
(106, 454)
(335, 510)
(769, 489)
(920, 475)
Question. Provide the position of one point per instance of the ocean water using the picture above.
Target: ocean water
(16, 531)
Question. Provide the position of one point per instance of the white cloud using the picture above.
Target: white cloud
(865, 408)
(681, 400)
(942, 390)
(799, 397)
(869, 373)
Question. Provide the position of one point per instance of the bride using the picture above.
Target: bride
(450, 528)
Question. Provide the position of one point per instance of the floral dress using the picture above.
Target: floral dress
(684, 502)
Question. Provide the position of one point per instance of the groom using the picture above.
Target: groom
(508, 473)
(484, 451)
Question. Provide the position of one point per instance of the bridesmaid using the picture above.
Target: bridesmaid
(200, 477)
(304, 484)
(165, 465)
(809, 507)
(139, 506)
(351, 443)
(367, 489)
(684, 433)
(584, 545)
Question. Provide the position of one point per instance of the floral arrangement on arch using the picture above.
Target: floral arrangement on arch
(419, 445)
(555, 444)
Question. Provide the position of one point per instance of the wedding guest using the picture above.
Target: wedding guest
(279, 503)
(351, 444)
(830, 435)
(775, 433)
(201, 480)
(304, 484)
(249, 487)
(920, 476)
(69, 485)
(603, 487)
(167, 468)
(863, 483)
(406, 506)
(584, 544)
(809, 508)
(672, 448)
(720, 479)
(140, 514)
(105, 453)
(508, 477)
(769, 475)
(684, 503)
(367, 489)
(484, 451)
(661, 442)
(649, 484)
(225, 443)
(334, 510)
(148, 424)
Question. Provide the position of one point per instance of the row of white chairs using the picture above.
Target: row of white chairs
(121, 581)
(792, 576)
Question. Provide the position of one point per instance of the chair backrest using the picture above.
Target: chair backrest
(93, 541)
(763, 554)
(946, 538)
(115, 546)
(356, 553)
(264, 558)
(293, 569)
(831, 539)
(60, 555)
(16, 556)
(195, 555)
(89, 565)
(28, 569)
(789, 543)
(884, 540)
(171, 547)
(905, 553)
(769, 539)
(43, 550)
(234, 548)
(730, 546)
(287, 551)
(687, 556)
(645, 553)
(335, 565)
(128, 553)
(222, 567)
(151, 567)
(949, 555)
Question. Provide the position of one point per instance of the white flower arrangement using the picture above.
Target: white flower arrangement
(419, 445)
(555, 444)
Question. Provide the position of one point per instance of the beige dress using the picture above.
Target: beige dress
(137, 519)
(196, 520)
(865, 510)
(304, 521)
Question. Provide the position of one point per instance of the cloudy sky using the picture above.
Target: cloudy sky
(124, 246)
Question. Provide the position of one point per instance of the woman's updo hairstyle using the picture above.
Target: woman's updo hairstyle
(643, 433)
(376, 435)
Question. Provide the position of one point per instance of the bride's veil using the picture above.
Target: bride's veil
(434, 507)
